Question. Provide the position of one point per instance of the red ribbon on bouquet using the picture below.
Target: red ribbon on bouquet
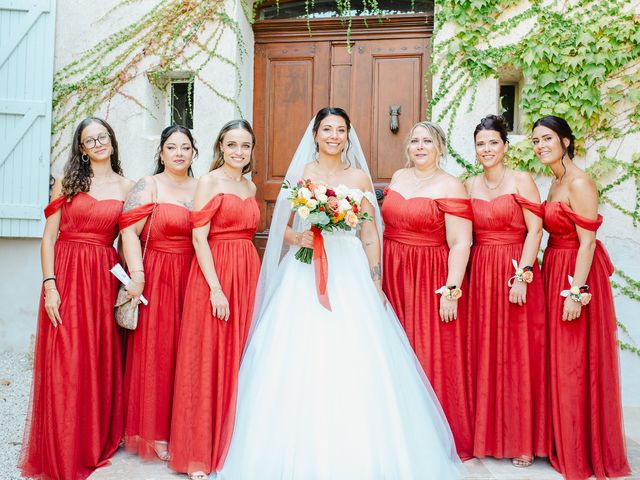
(321, 267)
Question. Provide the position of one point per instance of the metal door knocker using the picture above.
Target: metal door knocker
(394, 112)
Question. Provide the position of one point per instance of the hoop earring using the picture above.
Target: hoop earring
(85, 158)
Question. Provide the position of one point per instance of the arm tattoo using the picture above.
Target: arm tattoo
(133, 199)
(375, 273)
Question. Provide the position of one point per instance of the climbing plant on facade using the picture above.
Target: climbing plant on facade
(175, 35)
(579, 60)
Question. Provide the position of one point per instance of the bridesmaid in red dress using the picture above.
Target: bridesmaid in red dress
(507, 319)
(218, 306)
(427, 238)
(584, 374)
(76, 419)
(162, 274)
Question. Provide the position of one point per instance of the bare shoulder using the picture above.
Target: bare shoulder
(360, 179)
(526, 186)
(209, 179)
(468, 183)
(252, 187)
(126, 184)
(581, 185)
(453, 185)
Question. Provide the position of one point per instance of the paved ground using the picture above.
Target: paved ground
(13, 404)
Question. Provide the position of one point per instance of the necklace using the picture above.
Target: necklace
(419, 179)
(486, 184)
(229, 176)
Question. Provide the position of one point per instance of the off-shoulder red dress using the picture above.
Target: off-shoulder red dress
(414, 266)
(507, 341)
(76, 418)
(151, 348)
(585, 379)
(209, 350)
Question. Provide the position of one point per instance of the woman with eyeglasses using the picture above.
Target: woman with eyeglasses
(76, 418)
(156, 238)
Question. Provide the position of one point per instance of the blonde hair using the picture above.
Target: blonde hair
(218, 156)
(437, 135)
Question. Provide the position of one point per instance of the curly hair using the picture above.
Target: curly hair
(77, 173)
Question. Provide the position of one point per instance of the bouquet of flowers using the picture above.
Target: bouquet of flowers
(325, 208)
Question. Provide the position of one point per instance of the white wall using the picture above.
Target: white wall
(20, 283)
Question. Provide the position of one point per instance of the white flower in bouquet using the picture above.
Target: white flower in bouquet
(303, 212)
(305, 193)
(320, 189)
(356, 195)
(322, 198)
(341, 191)
(312, 203)
(344, 205)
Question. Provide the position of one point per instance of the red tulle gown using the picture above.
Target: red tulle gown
(415, 265)
(152, 347)
(209, 350)
(507, 342)
(76, 418)
(584, 375)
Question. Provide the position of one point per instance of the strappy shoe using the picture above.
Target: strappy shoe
(162, 450)
(523, 461)
(198, 476)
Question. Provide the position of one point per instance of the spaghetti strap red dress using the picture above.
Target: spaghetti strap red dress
(152, 347)
(584, 374)
(414, 266)
(75, 421)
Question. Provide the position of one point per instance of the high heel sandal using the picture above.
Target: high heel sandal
(162, 454)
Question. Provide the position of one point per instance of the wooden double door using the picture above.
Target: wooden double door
(379, 81)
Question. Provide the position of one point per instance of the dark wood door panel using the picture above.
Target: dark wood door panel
(289, 86)
(295, 76)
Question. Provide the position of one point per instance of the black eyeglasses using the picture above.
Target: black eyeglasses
(102, 139)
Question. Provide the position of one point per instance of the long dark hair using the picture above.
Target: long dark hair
(496, 123)
(563, 130)
(77, 173)
(164, 136)
(324, 113)
(218, 157)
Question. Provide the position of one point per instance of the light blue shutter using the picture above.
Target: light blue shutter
(26, 84)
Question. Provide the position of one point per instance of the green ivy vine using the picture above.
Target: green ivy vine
(175, 35)
(578, 60)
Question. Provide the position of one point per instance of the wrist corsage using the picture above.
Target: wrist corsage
(450, 292)
(580, 295)
(524, 274)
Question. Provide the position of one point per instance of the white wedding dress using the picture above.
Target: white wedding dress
(335, 395)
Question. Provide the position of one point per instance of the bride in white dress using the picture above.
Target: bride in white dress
(332, 395)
